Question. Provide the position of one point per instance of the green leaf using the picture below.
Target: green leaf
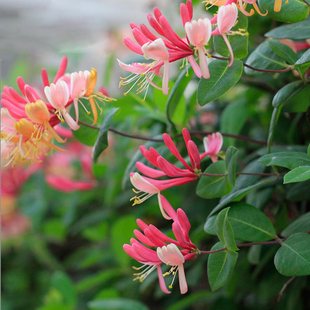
(297, 31)
(238, 43)
(305, 58)
(293, 258)
(192, 299)
(299, 101)
(222, 78)
(102, 141)
(284, 51)
(272, 127)
(288, 160)
(99, 278)
(220, 266)
(176, 94)
(233, 118)
(117, 303)
(308, 150)
(209, 226)
(298, 174)
(291, 12)
(213, 187)
(122, 230)
(224, 231)
(263, 57)
(286, 92)
(84, 134)
(300, 225)
(230, 163)
(250, 224)
(64, 285)
(238, 194)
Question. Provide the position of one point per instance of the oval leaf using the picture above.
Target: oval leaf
(288, 160)
(293, 258)
(291, 12)
(102, 141)
(230, 162)
(214, 187)
(224, 231)
(220, 266)
(300, 225)
(117, 303)
(250, 224)
(297, 31)
(305, 58)
(263, 57)
(285, 93)
(284, 51)
(222, 78)
(298, 174)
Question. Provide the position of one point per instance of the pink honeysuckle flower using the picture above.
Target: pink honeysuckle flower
(149, 187)
(32, 119)
(199, 34)
(172, 256)
(158, 51)
(58, 96)
(168, 47)
(79, 83)
(73, 179)
(141, 74)
(15, 102)
(212, 144)
(167, 251)
(226, 18)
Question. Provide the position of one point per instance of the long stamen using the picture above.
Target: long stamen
(142, 275)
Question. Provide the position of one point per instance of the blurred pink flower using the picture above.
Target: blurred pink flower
(61, 173)
(13, 223)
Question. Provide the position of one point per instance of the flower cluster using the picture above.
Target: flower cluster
(149, 185)
(167, 249)
(28, 119)
(168, 47)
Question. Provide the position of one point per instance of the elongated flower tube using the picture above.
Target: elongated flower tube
(158, 51)
(199, 34)
(172, 256)
(149, 186)
(164, 47)
(172, 252)
(226, 18)
(58, 96)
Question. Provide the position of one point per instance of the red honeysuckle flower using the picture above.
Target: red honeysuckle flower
(149, 186)
(167, 249)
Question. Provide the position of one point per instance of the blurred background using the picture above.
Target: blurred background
(62, 245)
